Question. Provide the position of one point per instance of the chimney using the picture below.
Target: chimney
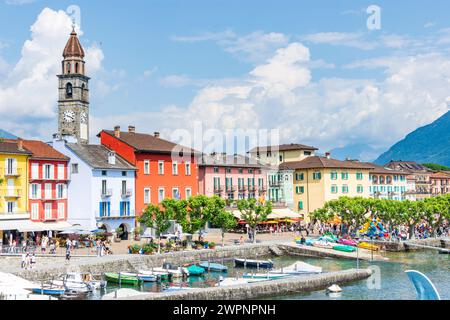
(112, 157)
(156, 134)
(20, 144)
(117, 131)
(131, 129)
(328, 155)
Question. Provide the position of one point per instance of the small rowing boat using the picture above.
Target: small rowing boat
(195, 270)
(298, 268)
(142, 277)
(49, 289)
(265, 276)
(248, 263)
(160, 275)
(122, 278)
(212, 266)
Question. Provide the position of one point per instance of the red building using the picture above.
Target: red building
(48, 179)
(164, 169)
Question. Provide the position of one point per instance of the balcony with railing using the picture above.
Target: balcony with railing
(11, 172)
(251, 188)
(275, 183)
(115, 214)
(12, 193)
(106, 193)
(127, 193)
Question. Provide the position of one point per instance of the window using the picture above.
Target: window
(188, 168)
(69, 90)
(250, 171)
(35, 191)
(334, 189)
(344, 188)
(299, 190)
(48, 191)
(216, 183)
(61, 210)
(176, 193)
(35, 171)
(104, 187)
(74, 168)
(104, 173)
(105, 209)
(317, 176)
(147, 198)
(360, 189)
(307, 153)
(299, 176)
(228, 170)
(281, 158)
(240, 170)
(216, 170)
(175, 168)
(11, 206)
(251, 182)
(269, 154)
(160, 167)
(124, 187)
(124, 208)
(147, 167)
(300, 205)
(48, 211)
(188, 193)
(124, 173)
(229, 183)
(48, 171)
(344, 175)
(359, 176)
(61, 172)
(61, 191)
(35, 211)
(161, 195)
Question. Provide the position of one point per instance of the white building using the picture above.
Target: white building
(101, 189)
(388, 184)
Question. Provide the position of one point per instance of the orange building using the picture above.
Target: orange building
(164, 169)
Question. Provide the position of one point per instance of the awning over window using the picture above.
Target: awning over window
(277, 213)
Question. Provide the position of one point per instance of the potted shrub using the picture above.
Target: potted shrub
(137, 233)
(212, 245)
(118, 232)
(134, 248)
(148, 249)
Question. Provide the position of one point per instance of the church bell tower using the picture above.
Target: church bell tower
(73, 102)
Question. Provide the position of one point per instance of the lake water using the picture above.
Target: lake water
(389, 283)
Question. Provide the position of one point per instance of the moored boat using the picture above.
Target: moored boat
(141, 276)
(160, 275)
(79, 282)
(323, 244)
(121, 278)
(298, 268)
(49, 289)
(173, 272)
(195, 270)
(265, 276)
(212, 266)
(249, 263)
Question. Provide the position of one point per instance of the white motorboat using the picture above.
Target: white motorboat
(298, 268)
(265, 276)
(79, 282)
(163, 275)
(334, 289)
(174, 272)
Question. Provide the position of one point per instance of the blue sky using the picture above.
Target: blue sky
(163, 64)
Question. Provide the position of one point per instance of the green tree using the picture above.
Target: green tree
(254, 212)
(159, 218)
(220, 217)
(193, 214)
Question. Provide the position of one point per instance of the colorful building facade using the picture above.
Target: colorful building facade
(13, 187)
(164, 169)
(102, 187)
(440, 183)
(320, 179)
(48, 180)
(232, 177)
(388, 183)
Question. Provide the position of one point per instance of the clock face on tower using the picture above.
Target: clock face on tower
(69, 116)
(83, 118)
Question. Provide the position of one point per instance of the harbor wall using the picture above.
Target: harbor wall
(265, 289)
(396, 246)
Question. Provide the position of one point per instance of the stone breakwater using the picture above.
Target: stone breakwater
(264, 289)
(417, 244)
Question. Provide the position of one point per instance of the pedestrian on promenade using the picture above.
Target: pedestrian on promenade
(68, 253)
(32, 261)
(68, 244)
(99, 247)
(27, 261)
(23, 262)
(44, 244)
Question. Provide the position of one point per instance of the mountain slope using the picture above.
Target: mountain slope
(428, 144)
(6, 135)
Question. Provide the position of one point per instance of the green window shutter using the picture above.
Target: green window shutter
(300, 205)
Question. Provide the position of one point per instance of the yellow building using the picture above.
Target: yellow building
(320, 179)
(13, 184)
(275, 155)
